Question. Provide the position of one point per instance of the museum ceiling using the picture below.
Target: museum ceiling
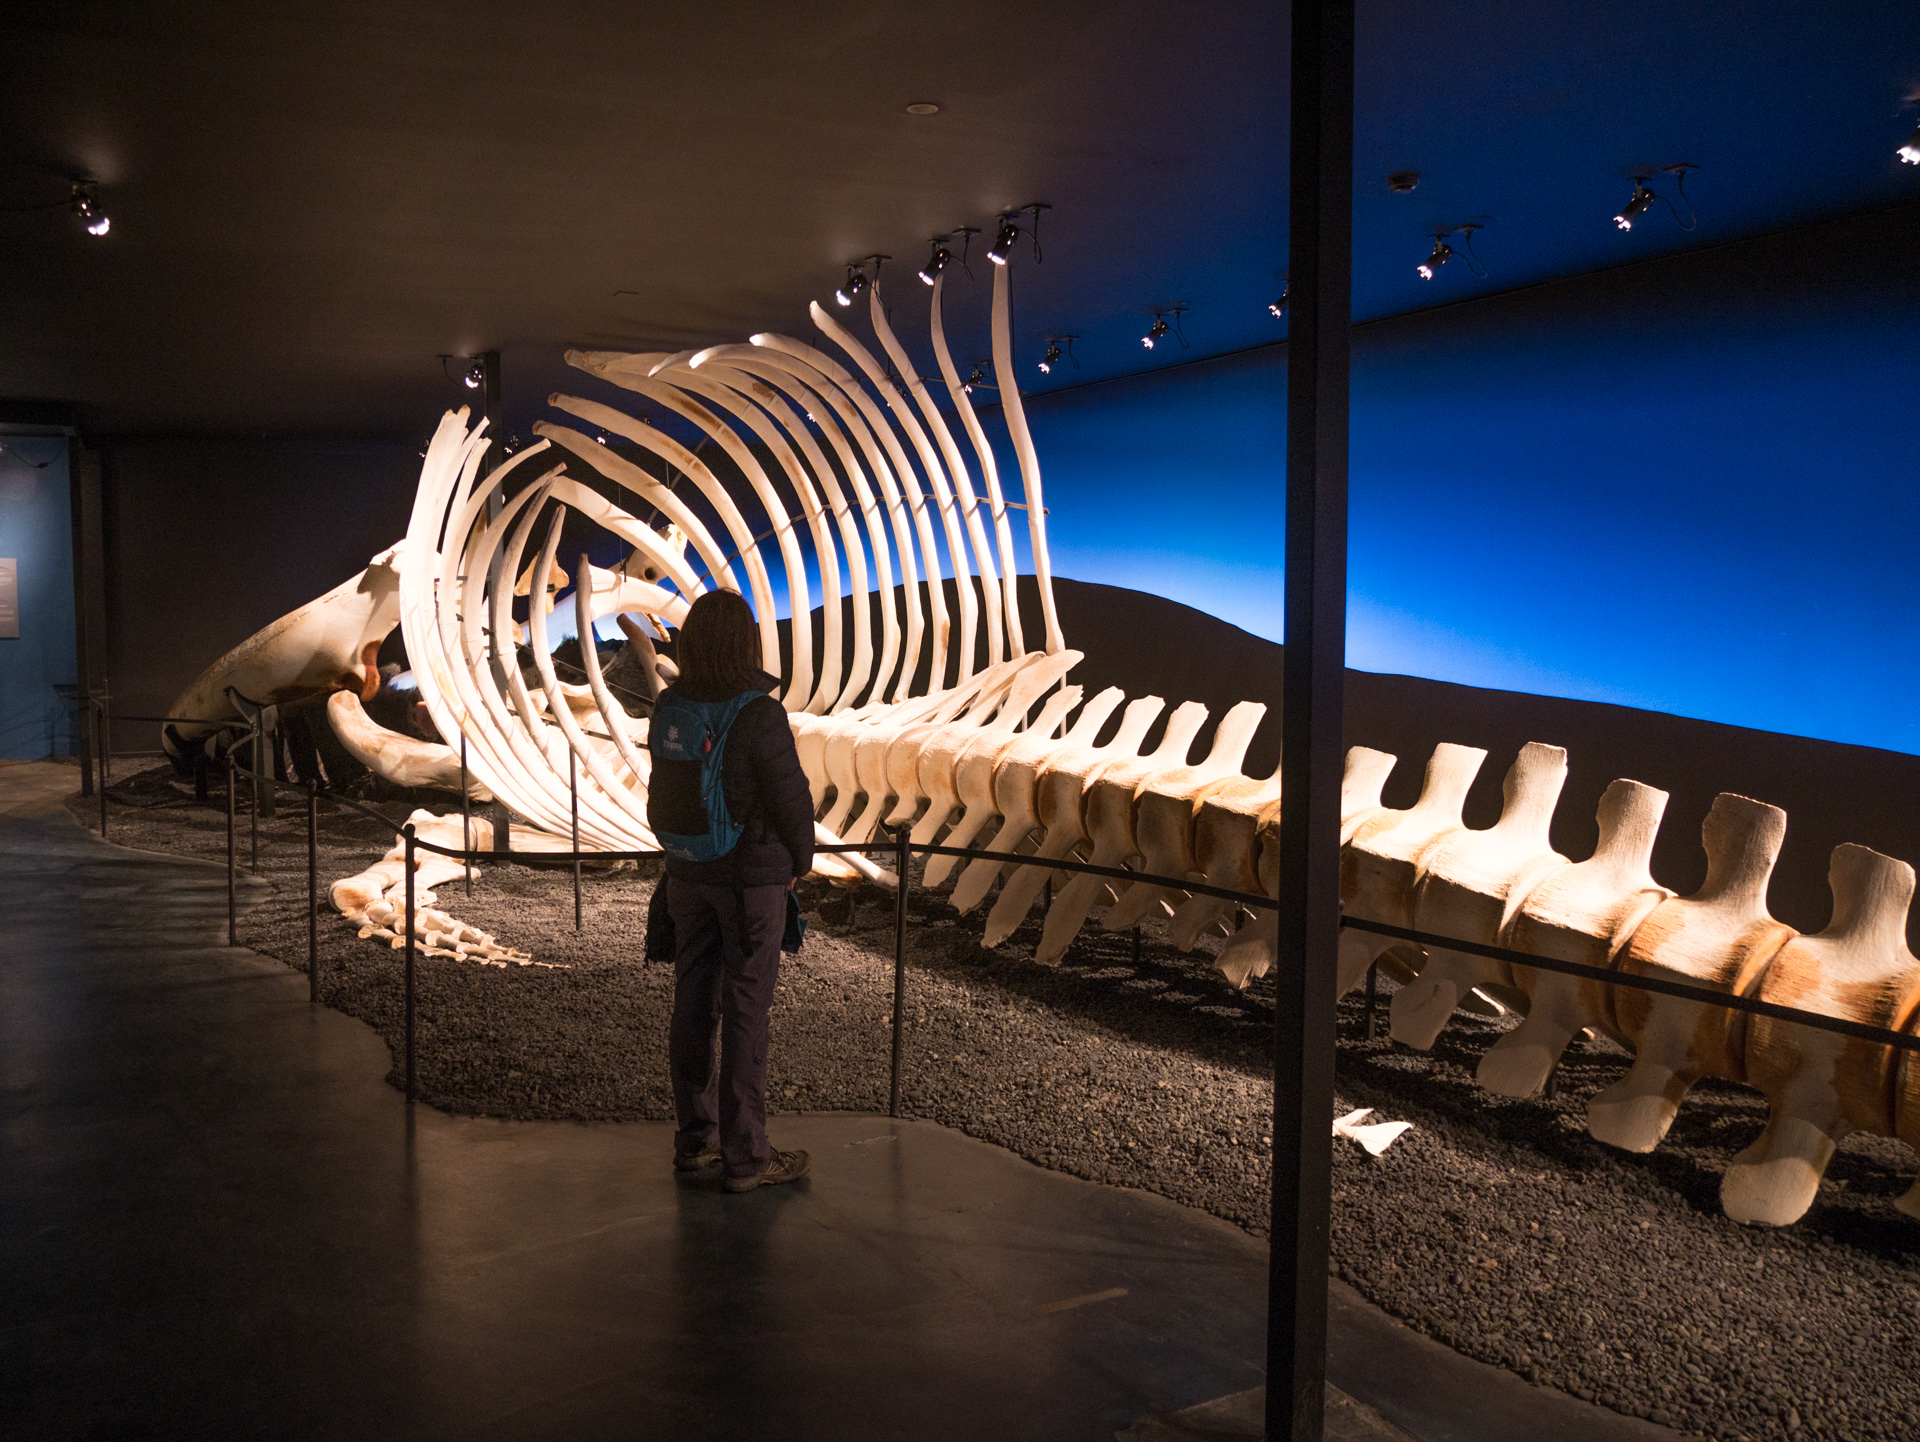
(309, 203)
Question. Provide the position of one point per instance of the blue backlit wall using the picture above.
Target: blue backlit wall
(36, 531)
(1688, 485)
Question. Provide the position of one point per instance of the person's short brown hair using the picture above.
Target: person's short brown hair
(716, 649)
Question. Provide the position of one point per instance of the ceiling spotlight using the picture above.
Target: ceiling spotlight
(1402, 181)
(88, 209)
(1011, 230)
(472, 373)
(923, 107)
(1053, 354)
(936, 262)
(1444, 252)
(977, 378)
(1910, 152)
(1643, 197)
(855, 283)
(602, 438)
(512, 447)
(1279, 307)
(1159, 329)
(1003, 242)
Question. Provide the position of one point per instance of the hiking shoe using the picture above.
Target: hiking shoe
(781, 1167)
(694, 1161)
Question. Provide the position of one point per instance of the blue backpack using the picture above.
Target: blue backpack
(686, 803)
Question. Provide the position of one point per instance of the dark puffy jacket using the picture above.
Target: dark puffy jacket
(765, 786)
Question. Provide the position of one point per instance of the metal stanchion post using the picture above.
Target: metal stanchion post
(232, 912)
(466, 816)
(264, 746)
(83, 718)
(408, 833)
(105, 747)
(573, 786)
(253, 807)
(901, 856)
(1373, 991)
(313, 892)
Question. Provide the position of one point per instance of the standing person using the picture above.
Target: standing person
(732, 809)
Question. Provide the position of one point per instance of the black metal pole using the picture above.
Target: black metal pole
(573, 786)
(313, 892)
(253, 806)
(408, 833)
(1320, 226)
(232, 912)
(84, 719)
(900, 859)
(263, 763)
(106, 759)
(466, 817)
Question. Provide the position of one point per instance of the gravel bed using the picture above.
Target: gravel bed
(1497, 1227)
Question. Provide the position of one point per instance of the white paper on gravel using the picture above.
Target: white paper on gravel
(1376, 1137)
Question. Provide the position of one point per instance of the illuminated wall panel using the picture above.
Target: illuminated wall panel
(1689, 486)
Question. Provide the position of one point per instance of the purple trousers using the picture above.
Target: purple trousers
(726, 960)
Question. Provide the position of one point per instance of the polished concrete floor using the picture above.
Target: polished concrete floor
(216, 1220)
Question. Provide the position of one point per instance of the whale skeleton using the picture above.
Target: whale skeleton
(854, 475)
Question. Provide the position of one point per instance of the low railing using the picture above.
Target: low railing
(902, 849)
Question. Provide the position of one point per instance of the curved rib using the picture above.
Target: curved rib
(611, 711)
(770, 374)
(617, 468)
(762, 412)
(790, 355)
(1001, 602)
(1016, 416)
(619, 817)
(676, 394)
(905, 502)
(942, 489)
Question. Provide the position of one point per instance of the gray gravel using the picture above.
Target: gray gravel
(1497, 1227)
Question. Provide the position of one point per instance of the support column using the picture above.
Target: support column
(89, 586)
(1320, 225)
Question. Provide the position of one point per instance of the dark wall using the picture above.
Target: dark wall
(210, 538)
(1831, 792)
